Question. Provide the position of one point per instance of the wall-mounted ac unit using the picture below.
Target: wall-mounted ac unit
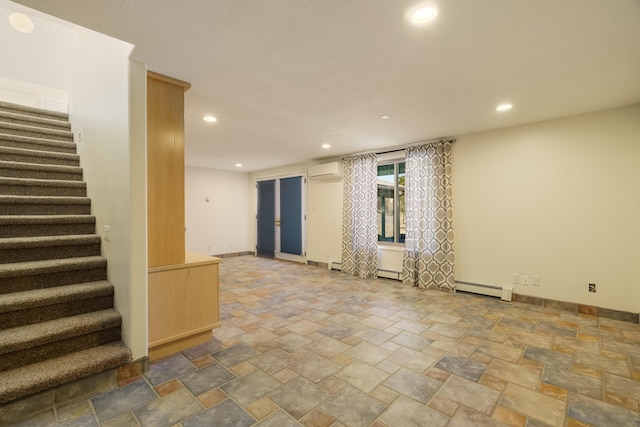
(325, 171)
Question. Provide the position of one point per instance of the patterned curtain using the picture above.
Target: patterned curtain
(428, 259)
(359, 216)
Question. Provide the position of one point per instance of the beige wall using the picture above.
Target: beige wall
(557, 199)
(107, 104)
(218, 226)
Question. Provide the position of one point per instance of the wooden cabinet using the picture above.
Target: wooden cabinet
(183, 304)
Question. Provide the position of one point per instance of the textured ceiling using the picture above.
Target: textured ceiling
(285, 76)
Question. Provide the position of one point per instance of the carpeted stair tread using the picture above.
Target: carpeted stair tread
(13, 154)
(38, 334)
(40, 171)
(42, 182)
(56, 295)
(46, 219)
(44, 205)
(47, 241)
(38, 132)
(37, 144)
(40, 167)
(10, 186)
(51, 373)
(33, 111)
(22, 249)
(31, 120)
(45, 200)
(51, 266)
(46, 225)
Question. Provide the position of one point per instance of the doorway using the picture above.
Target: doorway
(281, 218)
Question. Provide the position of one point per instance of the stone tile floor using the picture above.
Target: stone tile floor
(305, 346)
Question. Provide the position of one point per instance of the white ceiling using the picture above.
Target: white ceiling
(285, 76)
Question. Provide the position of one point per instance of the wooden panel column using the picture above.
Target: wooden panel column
(165, 169)
(183, 290)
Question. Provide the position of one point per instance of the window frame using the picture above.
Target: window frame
(395, 158)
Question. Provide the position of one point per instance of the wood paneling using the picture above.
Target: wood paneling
(182, 287)
(183, 304)
(165, 169)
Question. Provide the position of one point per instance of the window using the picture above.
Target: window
(391, 216)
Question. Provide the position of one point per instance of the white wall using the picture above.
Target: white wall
(23, 56)
(324, 220)
(112, 154)
(220, 225)
(557, 199)
(135, 327)
(22, 80)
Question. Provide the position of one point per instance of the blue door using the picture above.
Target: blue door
(266, 242)
(291, 215)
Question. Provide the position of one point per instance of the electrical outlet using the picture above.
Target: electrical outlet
(535, 280)
(516, 279)
(592, 287)
(525, 280)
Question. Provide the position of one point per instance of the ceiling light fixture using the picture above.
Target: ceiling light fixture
(504, 107)
(326, 146)
(238, 165)
(385, 117)
(209, 119)
(423, 14)
(21, 22)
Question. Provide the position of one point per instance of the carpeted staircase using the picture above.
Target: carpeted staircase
(57, 321)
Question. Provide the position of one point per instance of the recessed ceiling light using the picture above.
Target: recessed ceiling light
(423, 15)
(21, 22)
(238, 165)
(504, 107)
(385, 117)
(326, 146)
(209, 119)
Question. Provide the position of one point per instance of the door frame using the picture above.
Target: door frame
(303, 212)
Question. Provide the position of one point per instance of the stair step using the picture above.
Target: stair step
(32, 111)
(42, 187)
(39, 144)
(27, 276)
(36, 171)
(41, 305)
(57, 321)
(24, 249)
(29, 344)
(51, 373)
(36, 132)
(31, 120)
(21, 155)
(46, 225)
(44, 205)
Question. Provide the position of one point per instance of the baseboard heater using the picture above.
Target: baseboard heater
(387, 274)
(505, 293)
